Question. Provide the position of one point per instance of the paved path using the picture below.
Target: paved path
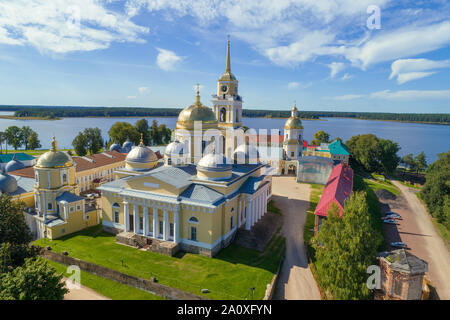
(419, 233)
(83, 293)
(296, 281)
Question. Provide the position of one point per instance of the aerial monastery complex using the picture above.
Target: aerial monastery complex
(213, 179)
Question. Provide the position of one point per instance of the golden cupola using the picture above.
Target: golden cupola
(54, 158)
(294, 121)
(197, 112)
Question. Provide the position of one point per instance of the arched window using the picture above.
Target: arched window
(64, 178)
(193, 220)
(223, 115)
(237, 115)
(116, 212)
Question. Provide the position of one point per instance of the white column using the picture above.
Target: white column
(176, 224)
(239, 213)
(155, 222)
(136, 218)
(247, 218)
(145, 220)
(165, 225)
(252, 212)
(126, 216)
(66, 211)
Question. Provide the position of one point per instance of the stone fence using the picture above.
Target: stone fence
(272, 285)
(137, 282)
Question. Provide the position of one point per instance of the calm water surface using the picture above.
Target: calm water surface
(412, 137)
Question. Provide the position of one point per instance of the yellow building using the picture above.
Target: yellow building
(58, 208)
(182, 206)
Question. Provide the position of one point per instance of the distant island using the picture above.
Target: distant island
(55, 112)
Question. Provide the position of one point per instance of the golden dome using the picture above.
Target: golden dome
(196, 112)
(293, 123)
(54, 158)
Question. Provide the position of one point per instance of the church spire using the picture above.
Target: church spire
(228, 67)
(197, 98)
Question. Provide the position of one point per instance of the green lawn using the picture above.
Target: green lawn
(229, 275)
(106, 287)
(308, 229)
(387, 185)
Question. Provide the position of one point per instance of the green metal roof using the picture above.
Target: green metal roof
(5, 158)
(337, 147)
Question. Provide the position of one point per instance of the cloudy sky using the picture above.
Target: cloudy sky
(336, 55)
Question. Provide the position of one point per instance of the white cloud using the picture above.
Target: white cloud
(349, 97)
(411, 69)
(167, 60)
(346, 76)
(131, 97)
(404, 42)
(63, 26)
(411, 94)
(143, 89)
(335, 68)
(298, 85)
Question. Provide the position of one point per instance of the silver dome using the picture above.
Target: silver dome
(174, 148)
(214, 162)
(8, 184)
(246, 154)
(14, 164)
(141, 154)
(115, 147)
(127, 146)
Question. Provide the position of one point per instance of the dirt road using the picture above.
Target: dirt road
(83, 293)
(419, 233)
(296, 281)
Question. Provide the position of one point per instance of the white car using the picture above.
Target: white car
(393, 216)
(90, 196)
(390, 221)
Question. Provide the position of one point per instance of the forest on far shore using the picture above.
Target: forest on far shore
(52, 112)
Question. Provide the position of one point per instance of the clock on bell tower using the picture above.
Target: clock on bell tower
(227, 102)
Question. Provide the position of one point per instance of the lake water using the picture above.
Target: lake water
(412, 137)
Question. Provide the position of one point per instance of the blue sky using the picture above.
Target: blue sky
(151, 53)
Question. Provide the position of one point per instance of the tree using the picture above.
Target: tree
(421, 162)
(408, 160)
(154, 133)
(2, 139)
(364, 150)
(33, 142)
(80, 144)
(121, 131)
(143, 128)
(320, 137)
(25, 135)
(13, 228)
(388, 155)
(436, 191)
(35, 280)
(345, 247)
(14, 136)
(164, 134)
(94, 140)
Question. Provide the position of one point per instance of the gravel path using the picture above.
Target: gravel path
(418, 232)
(296, 281)
(83, 293)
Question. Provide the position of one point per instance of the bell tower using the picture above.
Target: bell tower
(227, 102)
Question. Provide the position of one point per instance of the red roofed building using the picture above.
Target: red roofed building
(338, 188)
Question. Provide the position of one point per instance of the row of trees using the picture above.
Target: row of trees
(152, 135)
(53, 112)
(90, 140)
(373, 154)
(23, 274)
(436, 191)
(17, 137)
(345, 247)
(417, 163)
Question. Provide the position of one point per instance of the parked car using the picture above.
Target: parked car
(393, 216)
(398, 244)
(390, 221)
(96, 195)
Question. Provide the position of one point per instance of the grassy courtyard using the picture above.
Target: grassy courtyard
(229, 275)
(106, 287)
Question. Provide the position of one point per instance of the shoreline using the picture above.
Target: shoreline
(8, 117)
